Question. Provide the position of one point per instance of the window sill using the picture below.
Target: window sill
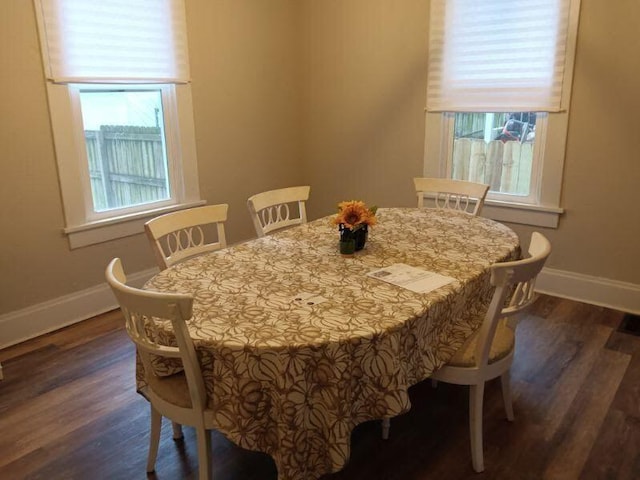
(100, 231)
(539, 216)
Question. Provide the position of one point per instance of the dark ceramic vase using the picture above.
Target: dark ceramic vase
(357, 237)
(360, 236)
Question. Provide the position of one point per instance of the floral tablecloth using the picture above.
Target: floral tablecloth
(292, 379)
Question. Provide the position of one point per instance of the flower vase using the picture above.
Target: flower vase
(360, 236)
(348, 246)
(352, 240)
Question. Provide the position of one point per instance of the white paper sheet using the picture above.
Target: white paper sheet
(411, 278)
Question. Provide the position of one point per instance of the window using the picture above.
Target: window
(498, 93)
(125, 146)
(120, 104)
(498, 149)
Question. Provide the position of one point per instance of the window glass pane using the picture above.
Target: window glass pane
(496, 149)
(126, 147)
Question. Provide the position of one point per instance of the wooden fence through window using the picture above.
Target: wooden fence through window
(505, 166)
(127, 166)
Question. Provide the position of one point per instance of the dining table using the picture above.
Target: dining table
(298, 344)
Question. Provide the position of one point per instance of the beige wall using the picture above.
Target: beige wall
(246, 109)
(364, 96)
(328, 93)
(246, 98)
(600, 233)
(35, 261)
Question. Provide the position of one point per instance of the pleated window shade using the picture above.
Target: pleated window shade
(124, 41)
(497, 55)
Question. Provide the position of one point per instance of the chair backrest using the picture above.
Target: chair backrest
(516, 278)
(142, 310)
(185, 233)
(453, 194)
(271, 210)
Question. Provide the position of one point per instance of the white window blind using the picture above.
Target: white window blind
(114, 41)
(497, 55)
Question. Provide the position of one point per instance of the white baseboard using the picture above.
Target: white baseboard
(593, 290)
(30, 322)
(16, 327)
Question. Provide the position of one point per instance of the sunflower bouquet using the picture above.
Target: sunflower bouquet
(354, 219)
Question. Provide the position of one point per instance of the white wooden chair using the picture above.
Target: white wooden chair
(271, 211)
(185, 233)
(454, 194)
(489, 352)
(180, 397)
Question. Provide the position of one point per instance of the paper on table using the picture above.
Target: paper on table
(411, 278)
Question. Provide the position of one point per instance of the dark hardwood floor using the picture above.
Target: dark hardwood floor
(68, 410)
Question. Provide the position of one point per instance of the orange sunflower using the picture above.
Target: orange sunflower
(355, 213)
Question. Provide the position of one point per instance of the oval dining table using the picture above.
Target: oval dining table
(298, 345)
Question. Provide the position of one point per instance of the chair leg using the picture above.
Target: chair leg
(386, 426)
(177, 430)
(204, 453)
(154, 439)
(505, 381)
(476, 396)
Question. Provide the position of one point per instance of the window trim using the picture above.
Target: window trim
(171, 149)
(119, 227)
(82, 226)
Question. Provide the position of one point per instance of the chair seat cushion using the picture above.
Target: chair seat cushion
(503, 344)
(172, 388)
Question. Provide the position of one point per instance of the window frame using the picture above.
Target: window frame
(550, 152)
(546, 210)
(171, 147)
(85, 227)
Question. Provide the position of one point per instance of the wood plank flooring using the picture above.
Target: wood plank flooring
(68, 410)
